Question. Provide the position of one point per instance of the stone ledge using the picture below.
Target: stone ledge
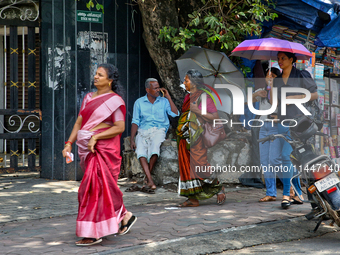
(231, 153)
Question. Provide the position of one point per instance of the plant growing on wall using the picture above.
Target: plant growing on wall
(90, 5)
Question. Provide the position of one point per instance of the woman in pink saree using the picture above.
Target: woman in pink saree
(98, 129)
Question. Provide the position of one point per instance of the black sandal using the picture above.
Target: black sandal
(297, 202)
(133, 188)
(285, 203)
(147, 190)
(130, 223)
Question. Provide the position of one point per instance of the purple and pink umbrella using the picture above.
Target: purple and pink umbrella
(267, 48)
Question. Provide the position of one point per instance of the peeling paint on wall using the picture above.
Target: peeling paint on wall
(60, 59)
(97, 43)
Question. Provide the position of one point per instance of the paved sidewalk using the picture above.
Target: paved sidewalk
(38, 216)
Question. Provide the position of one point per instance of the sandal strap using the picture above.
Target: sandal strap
(124, 226)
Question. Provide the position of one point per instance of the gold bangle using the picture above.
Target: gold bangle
(94, 139)
(68, 144)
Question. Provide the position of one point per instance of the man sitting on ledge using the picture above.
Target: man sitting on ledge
(150, 118)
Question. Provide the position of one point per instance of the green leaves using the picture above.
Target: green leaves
(211, 21)
(168, 34)
(220, 24)
(90, 5)
(100, 7)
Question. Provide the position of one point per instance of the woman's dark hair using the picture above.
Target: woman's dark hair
(289, 55)
(195, 78)
(113, 74)
(275, 71)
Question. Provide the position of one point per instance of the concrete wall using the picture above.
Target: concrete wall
(230, 155)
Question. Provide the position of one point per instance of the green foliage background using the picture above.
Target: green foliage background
(220, 25)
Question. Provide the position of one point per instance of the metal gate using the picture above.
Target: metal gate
(20, 113)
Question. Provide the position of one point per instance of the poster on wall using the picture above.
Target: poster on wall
(97, 43)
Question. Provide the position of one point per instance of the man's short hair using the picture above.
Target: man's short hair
(147, 82)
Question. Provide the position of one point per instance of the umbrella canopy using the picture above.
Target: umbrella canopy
(267, 48)
(216, 68)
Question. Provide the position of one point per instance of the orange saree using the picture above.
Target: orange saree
(195, 181)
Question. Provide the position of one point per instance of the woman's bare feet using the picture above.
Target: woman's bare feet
(190, 203)
(221, 196)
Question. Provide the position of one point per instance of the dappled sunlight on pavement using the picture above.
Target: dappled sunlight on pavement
(50, 228)
(27, 199)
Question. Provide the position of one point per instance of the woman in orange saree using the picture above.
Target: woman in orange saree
(196, 182)
(98, 130)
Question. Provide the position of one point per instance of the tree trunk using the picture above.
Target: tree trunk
(155, 15)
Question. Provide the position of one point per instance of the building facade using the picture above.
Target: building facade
(52, 76)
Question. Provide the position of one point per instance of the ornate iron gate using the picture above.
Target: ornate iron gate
(20, 113)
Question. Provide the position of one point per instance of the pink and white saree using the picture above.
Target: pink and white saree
(101, 206)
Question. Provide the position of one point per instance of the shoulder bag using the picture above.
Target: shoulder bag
(213, 135)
